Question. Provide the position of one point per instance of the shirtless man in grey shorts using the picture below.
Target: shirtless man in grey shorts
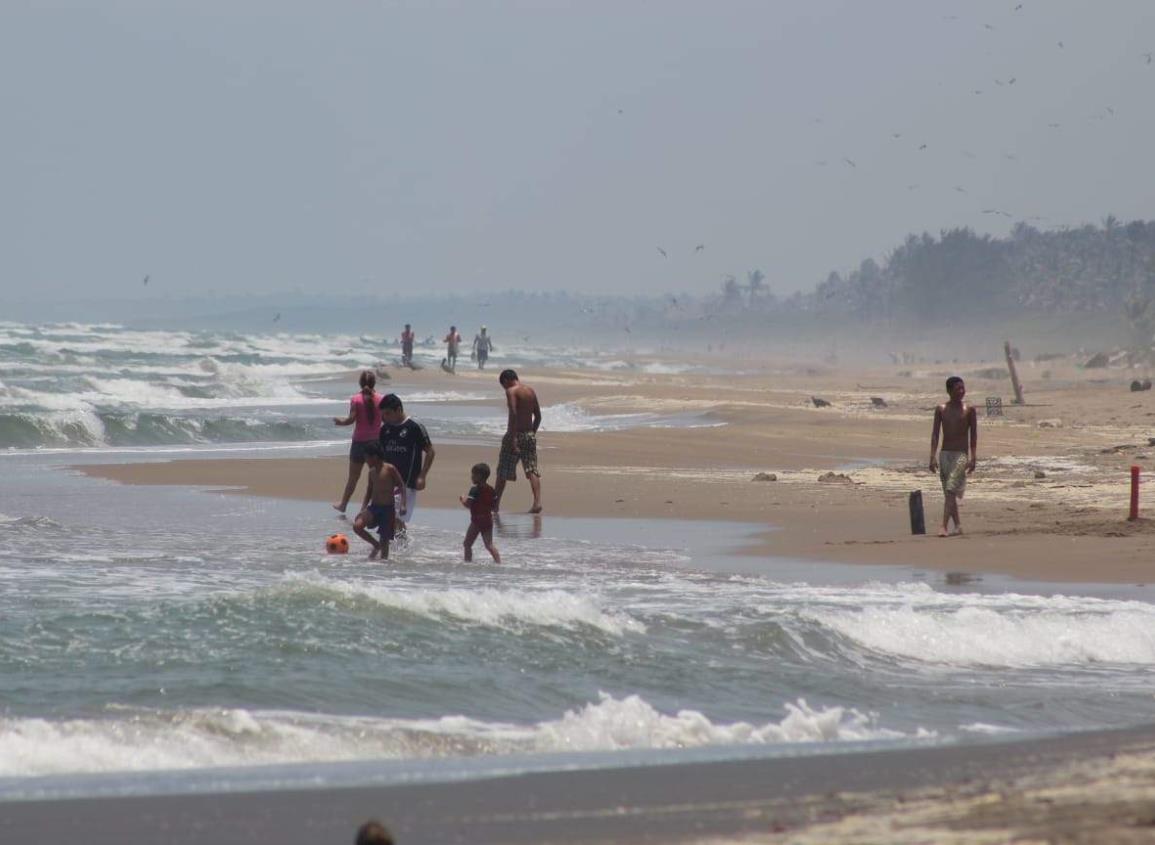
(959, 425)
(520, 440)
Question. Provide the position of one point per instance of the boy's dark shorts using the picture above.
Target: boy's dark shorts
(384, 516)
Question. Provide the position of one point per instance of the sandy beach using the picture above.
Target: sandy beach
(1050, 495)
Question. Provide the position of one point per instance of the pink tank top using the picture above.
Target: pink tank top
(367, 424)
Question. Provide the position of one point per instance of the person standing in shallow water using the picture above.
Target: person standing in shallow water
(520, 440)
(959, 425)
(482, 346)
(365, 416)
(452, 344)
(407, 346)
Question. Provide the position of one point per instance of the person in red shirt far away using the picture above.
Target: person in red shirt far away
(480, 504)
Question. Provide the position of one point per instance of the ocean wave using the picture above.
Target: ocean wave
(152, 740)
(1008, 630)
(87, 429)
(511, 610)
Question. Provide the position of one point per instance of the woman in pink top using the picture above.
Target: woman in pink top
(366, 417)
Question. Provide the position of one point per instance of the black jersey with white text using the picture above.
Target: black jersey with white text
(404, 445)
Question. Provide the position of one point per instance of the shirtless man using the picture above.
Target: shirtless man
(452, 343)
(520, 440)
(960, 440)
(482, 346)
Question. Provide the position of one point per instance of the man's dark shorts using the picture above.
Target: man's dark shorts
(527, 454)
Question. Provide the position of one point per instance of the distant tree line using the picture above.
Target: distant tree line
(1108, 268)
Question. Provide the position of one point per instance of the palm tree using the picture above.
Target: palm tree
(755, 284)
(731, 290)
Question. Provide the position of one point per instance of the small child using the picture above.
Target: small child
(480, 504)
(377, 509)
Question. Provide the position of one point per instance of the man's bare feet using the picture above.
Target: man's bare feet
(535, 509)
(373, 554)
(942, 532)
(339, 509)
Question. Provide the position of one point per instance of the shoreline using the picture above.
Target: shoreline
(1092, 786)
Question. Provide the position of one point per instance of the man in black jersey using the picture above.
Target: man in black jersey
(407, 446)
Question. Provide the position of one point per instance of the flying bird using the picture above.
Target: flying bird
(1012, 80)
(960, 190)
(1060, 45)
(699, 247)
(1054, 125)
(145, 282)
(988, 26)
(1148, 57)
(912, 187)
(662, 251)
(896, 135)
(922, 146)
(851, 163)
(1018, 7)
(820, 163)
(277, 318)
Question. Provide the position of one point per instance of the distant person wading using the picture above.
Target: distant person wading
(482, 346)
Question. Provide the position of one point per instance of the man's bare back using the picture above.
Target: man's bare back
(524, 410)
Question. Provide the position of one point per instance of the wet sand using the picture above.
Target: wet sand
(1089, 788)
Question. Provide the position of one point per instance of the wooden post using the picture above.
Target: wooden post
(917, 520)
(1014, 374)
(1134, 494)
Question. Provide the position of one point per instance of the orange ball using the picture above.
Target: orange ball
(337, 544)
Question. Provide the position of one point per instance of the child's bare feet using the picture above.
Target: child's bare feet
(337, 507)
(535, 509)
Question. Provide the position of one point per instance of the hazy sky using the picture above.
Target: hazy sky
(267, 145)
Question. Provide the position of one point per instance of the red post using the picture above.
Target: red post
(1134, 493)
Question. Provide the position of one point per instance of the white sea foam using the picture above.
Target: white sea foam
(632, 722)
(148, 740)
(507, 609)
(1005, 630)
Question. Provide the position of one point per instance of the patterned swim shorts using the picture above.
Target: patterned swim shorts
(952, 471)
(527, 454)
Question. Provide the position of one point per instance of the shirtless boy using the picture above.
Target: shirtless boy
(960, 439)
(520, 440)
(377, 509)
